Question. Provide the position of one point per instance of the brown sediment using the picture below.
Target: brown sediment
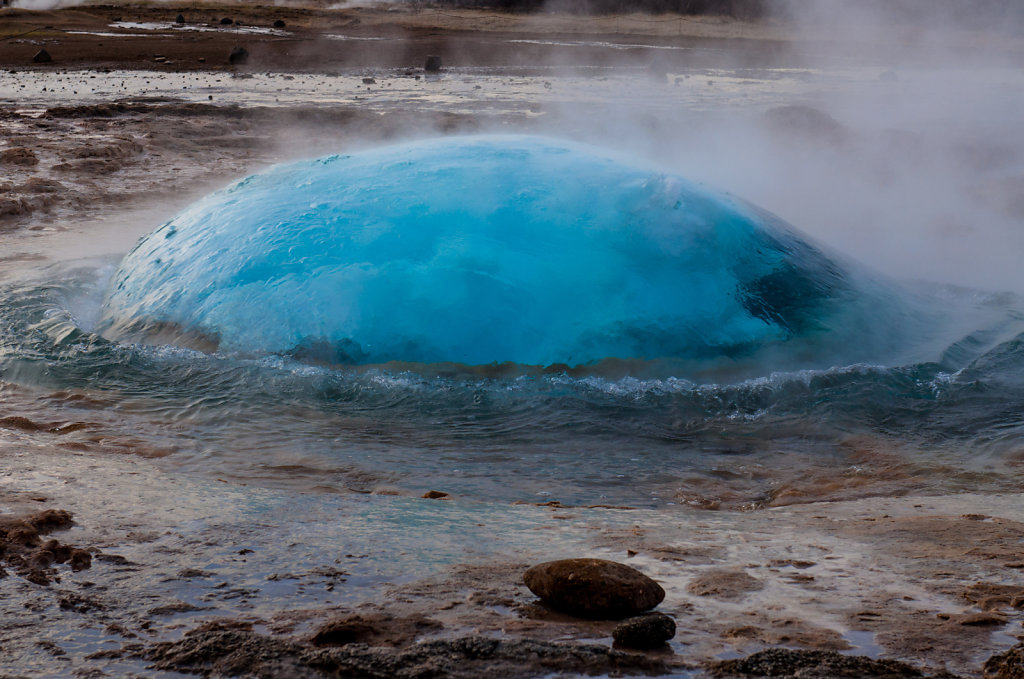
(374, 629)
(949, 540)
(92, 156)
(801, 664)
(233, 651)
(404, 36)
(23, 549)
(724, 583)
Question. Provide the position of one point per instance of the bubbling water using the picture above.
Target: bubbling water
(479, 250)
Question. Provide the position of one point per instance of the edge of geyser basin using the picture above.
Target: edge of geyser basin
(494, 294)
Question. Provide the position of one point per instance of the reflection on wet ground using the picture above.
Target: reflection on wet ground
(174, 551)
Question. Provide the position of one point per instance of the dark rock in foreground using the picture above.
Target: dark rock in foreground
(645, 631)
(239, 55)
(593, 588)
(242, 652)
(1009, 665)
(279, 23)
(786, 663)
(433, 64)
(42, 57)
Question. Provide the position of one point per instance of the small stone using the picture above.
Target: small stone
(61, 553)
(593, 588)
(180, 19)
(239, 55)
(279, 23)
(369, 81)
(43, 558)
(435, 495)
(433, 64)
(226, 21)
(42, 57)
(645, 631)
(80, 560)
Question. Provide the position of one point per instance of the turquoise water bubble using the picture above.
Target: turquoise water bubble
(476, 250)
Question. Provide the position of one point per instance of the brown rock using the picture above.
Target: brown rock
(61, 553)
(23, 535)
(42, 57)
(51, 520)
(645, 631)
(435, 494)
(593, 588)
(80, 559)
(1009, 665)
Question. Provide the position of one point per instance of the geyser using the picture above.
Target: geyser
(476, 250)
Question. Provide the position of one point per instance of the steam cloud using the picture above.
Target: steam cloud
(902, 147)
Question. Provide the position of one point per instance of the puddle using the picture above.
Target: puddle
(863, 643)
(229, 28)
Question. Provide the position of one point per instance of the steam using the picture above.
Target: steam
(893, 134)
(899, 145)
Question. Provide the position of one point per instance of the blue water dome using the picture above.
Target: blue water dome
(474, 250)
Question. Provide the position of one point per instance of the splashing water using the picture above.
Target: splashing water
(786, 363)
(478, 250)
